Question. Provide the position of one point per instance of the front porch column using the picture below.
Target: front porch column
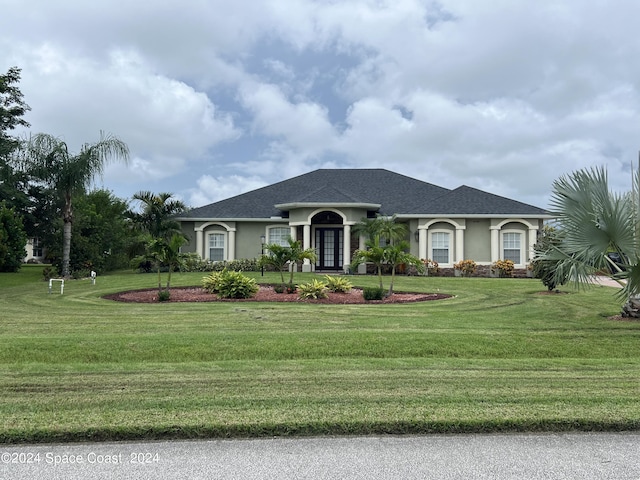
(459, 245)
(533, 239)
(293, 233)
(306, 243)
(346, 248)
(200, 243)
(231, 255)
(495, 244)
(422, 243)
(362, 268)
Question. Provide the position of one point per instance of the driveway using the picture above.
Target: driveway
(561, 456)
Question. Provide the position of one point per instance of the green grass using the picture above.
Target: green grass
(497, 357)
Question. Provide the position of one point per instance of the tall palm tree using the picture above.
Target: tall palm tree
(48, 159)
(600, 232)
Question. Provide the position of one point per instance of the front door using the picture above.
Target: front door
(329, 246)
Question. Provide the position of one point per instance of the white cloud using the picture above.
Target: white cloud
(502, 96)
(211, 189)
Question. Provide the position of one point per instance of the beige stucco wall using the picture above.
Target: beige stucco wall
(476, 234)
(477, 240)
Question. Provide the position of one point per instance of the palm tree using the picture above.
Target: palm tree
(380, 230)
(397, 254)
(280, 256)
(48, 159)
(299, 255)
(597, 226)
(373, 253)
(162, 252)
(157, 212)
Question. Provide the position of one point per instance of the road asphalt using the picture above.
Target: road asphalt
(557, 456)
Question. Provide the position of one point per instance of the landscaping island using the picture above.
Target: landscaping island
(266, 293)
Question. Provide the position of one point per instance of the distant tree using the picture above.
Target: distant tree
(12, 109)
(13, 182)
(12, 240)
(48, 159)
(101, 234)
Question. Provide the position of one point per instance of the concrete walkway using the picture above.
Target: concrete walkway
(605, 281)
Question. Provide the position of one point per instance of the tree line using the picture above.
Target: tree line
(45, 193)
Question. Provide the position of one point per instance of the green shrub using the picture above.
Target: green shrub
(194, 263)
(236, 285)
(337, 284)
(48, 273)
(373, 293)
(290, 288)
(164, 295)
(210, 282)
(314, 289)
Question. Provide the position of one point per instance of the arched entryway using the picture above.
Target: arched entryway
(328, 240)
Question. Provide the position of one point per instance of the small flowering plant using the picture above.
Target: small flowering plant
(502, 268)
(466, 267)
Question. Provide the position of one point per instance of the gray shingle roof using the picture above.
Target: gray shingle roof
(396, 193)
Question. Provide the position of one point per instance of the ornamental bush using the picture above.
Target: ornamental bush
(236, 285)
(337, 284)
(194, 263)
(314, 289)
(431, 266)
(467, 267)
(502, 268)
(373, 293)
(211, 282)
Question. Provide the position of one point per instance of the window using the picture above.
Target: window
(37, 247)
(511, 247)
(440, 247)
(279, 236)
(216, 247)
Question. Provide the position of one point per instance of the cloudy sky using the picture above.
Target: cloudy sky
(215, 98)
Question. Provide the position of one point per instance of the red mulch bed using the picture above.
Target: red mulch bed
(267, 294)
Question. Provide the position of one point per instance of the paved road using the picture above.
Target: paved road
(513, 456)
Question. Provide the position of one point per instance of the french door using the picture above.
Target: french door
(329, 247)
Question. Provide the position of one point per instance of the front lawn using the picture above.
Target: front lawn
(499, 356)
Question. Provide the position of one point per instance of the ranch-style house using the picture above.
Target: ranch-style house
(319, 208)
